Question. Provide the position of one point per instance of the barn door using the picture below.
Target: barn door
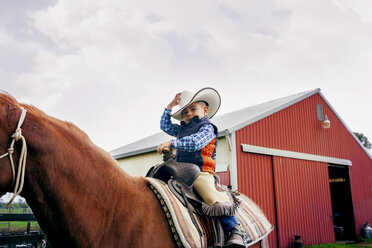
(255, 180)
(303, 204)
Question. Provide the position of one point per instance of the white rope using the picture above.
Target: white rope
(43, 244)
(16, 136)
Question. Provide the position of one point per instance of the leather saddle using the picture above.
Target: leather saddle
(185, 173)
(179, 178)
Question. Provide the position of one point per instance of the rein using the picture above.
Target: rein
(16, 136)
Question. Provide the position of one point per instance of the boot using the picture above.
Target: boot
(235, 239)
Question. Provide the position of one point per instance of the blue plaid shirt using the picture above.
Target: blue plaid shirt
(192, 143)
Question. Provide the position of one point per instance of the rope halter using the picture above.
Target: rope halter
(16, 136)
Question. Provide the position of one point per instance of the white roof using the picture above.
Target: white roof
(226, 123)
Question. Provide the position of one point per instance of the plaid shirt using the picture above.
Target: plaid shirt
(192, 143)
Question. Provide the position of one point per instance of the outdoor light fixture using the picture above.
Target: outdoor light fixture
(325, 122)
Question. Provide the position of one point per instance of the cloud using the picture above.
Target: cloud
(360, 7)
(124, 39)
(111, 66)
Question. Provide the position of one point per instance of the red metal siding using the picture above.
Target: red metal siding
(296, 128)
(255, 181)
(303, 201)
(361, 189)
(224, 177)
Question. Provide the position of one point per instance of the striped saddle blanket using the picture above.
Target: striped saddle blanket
(184, 231)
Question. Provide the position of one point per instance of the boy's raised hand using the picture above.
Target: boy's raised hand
(174, 102)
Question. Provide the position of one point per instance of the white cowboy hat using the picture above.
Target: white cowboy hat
(208, 95)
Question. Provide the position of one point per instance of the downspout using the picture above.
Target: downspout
(232, 160)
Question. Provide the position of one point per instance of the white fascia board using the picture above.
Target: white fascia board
(234, 166)
(272, 111)
(135, 152)
(297, 155)
(348, 129)
(151, 149)
(222, 133)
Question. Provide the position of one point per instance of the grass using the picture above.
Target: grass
(336, 245)
(15, 211)
(17, 226)
(361, 243)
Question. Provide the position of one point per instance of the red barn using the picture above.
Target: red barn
(310, 181)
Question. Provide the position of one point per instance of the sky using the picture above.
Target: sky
(111, 66)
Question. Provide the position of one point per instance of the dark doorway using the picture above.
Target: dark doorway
(342, 205)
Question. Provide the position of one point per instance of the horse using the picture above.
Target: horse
(77, 191)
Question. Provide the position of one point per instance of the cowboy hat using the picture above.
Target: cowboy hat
(208, 95)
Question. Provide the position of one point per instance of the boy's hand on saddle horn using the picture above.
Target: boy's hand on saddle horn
(174, 102)
(164, 146)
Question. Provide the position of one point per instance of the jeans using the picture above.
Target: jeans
(228, 222)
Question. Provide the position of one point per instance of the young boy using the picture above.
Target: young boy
(196, 141)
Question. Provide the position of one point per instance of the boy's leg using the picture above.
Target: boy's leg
(204, 185)
(228, 222)
(230, 225)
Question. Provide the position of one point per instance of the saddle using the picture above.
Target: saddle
(179, 178)
(186, 173)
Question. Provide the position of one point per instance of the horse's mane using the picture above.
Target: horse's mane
(61, 129)
(65, 126)
(6, 98)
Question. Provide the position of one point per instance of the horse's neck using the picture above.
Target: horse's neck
(74, 189)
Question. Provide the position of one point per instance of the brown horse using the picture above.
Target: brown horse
(78, 193)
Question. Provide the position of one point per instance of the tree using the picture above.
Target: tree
(364, 140)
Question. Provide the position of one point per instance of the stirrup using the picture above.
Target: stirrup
(237, 239)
